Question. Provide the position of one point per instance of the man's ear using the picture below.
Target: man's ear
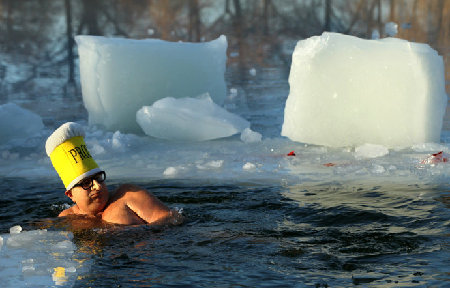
(68, 193)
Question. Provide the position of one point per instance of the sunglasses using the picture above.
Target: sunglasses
(87, 183)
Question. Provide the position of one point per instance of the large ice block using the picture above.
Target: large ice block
(346, 91)
(119, 76)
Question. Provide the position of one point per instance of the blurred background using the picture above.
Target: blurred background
(38, 56)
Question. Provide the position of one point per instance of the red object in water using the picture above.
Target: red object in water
(440, 157)
(292, 153)
(435, 158)
(329, 164)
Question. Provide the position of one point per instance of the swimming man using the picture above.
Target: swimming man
(85, 184)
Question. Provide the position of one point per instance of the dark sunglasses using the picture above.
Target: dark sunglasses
(87, 183)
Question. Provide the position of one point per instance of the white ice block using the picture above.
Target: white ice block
(346, 91)
(119, 76)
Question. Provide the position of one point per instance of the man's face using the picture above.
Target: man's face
(91, 197)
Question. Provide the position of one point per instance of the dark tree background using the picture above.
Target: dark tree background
(36, 36)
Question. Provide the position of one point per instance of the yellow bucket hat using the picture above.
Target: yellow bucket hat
(69, 154)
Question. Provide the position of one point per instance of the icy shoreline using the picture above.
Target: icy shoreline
(230, 160)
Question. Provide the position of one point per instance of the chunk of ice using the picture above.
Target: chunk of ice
(119, 76)
(28, 269)
(15, 229)
(65, 245)
(249, 166)
(346, 91)
(173, 171)
(18, 123)
(370, 151)
(189, 119)
(215, 164)
(249, 136)
(377, 169)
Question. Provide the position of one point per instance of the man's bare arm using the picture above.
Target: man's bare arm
(144, 204)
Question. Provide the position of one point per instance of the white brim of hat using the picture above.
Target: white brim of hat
(82, 176)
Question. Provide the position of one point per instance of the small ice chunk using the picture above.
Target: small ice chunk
(370, 151)
(96, 149)
(252, 72)
(249, 136)
(377, 169)
(391, 29)
(117, 141)
(28, 269)
(249, 166)
(170, 171)
(18, 123)
(233, 93)
(28, 261)
(189, 119)
(65, 245)
(215, 164)
(15, 229)
(1, 242)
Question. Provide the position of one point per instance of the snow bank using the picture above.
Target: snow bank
(189, 119)
(119, 76)
(346, 91)
(18, 123)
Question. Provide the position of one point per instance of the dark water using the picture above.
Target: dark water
(246, 235)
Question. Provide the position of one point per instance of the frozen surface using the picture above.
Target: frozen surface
(38, 258)
(246, 158)
(119, 76)
(130, 158)
(346, 91)
(189, 119)
(18, 123)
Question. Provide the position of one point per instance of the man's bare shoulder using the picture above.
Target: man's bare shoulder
(68, 211)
